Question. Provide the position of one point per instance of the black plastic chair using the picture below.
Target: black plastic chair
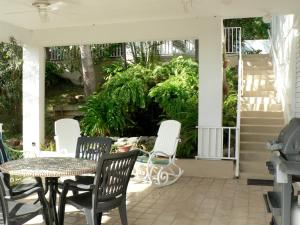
(15, 212)
(19, 188)
(107, 192)
(91, 148)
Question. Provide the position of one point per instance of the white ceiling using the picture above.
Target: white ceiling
(72, 13)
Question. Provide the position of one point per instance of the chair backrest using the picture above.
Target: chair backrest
(167, 137)
(92, 148)
(66, 133)
(113, 174)
(4, 157)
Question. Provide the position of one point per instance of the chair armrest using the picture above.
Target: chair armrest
(159, 153)
(35, 190)
(74, 184)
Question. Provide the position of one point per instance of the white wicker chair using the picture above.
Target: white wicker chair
(159, 165)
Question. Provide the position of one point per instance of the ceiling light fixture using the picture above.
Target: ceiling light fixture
(187, 5)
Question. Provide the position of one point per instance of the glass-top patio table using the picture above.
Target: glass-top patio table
(51, 168)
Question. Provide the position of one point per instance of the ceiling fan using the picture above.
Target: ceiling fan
(43, 7)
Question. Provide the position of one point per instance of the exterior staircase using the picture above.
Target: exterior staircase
(261, 116)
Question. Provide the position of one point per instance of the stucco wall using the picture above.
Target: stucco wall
(285, 36)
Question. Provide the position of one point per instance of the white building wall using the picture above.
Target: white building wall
(297, 81)
(284, 40)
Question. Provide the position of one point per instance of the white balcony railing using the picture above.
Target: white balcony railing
(233, 43)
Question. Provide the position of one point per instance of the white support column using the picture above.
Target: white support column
(33, 96)
(210, 86)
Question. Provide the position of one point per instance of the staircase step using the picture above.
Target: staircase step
(255, 155)
(257, 85)
(259, 74)
(259, 93)
(262, 121)
(249, 87)
(261, 114)
(262, 107)
(256, 167)
(259, 100)
(250, 146)
(257, 56)
(246, 128)
(247, 175)
(260, 137)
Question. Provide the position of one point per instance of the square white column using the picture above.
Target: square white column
(33, 96)
(210, 87)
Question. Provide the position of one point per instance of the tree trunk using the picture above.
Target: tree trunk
(89, 77)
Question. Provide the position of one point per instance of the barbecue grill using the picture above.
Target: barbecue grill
(285, 167)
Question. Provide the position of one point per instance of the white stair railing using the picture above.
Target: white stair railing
(218, 143)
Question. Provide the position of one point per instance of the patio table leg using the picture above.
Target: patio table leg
(53, 182)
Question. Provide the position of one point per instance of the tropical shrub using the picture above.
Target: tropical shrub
(178, 97)
(109, 111)
(140, 97)
(11, 85)
(230, 100)
(52, 78)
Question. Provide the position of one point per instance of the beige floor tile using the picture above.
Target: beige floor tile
(190, 201)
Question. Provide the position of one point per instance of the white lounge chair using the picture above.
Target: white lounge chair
(67, 131)
(160, 166)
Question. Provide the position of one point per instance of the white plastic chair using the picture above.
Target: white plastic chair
(67, 131)
(161, 169)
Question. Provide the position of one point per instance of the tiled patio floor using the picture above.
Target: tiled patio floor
(191, 201)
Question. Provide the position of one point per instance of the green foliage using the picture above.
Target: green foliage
(11, 85)
(168, 91)
(113, 68)
(230, 100)
(52, 77)
(252, 28)
(178, 97)
(109, 111)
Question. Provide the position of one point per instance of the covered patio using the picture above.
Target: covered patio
(190, 201)
(77, 22)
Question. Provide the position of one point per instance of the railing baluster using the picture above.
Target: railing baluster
(229, 140)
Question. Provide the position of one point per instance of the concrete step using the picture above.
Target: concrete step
(255, 155)
(262, 107)
(257, 66)
(255, 167)
(248, 87)
(259, 74)
(261, 114)
(250, 146)
(256, 56)
(259, 100)
(260, 137)
(246, 175)
(262, 121)
(254, 85)
(247, 128)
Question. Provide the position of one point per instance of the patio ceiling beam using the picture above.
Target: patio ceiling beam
(20, 34)
(121, 32)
